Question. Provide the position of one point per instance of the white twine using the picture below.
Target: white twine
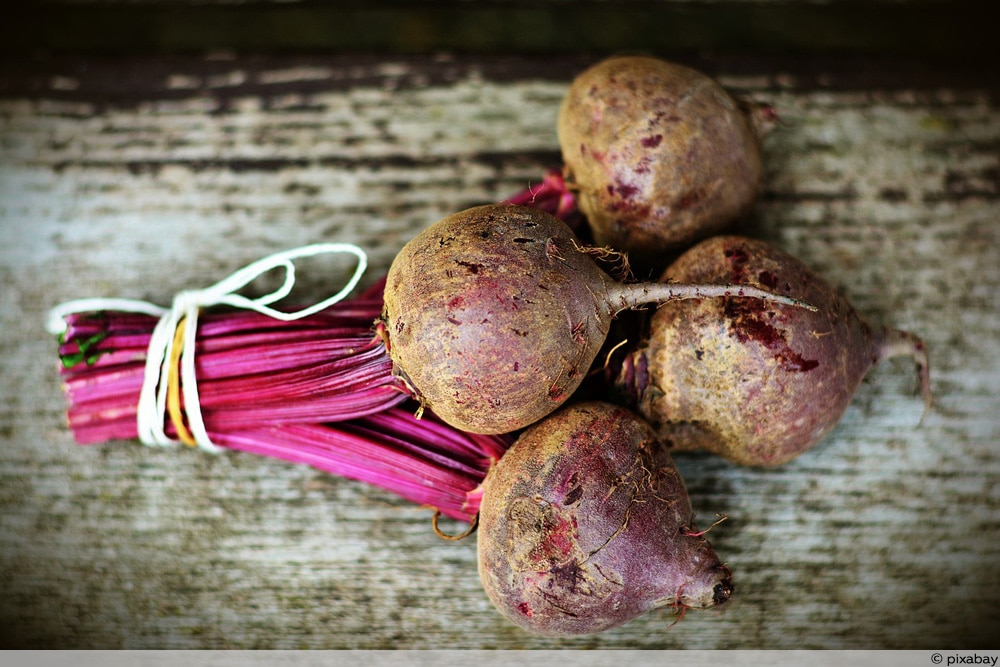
(186, 306)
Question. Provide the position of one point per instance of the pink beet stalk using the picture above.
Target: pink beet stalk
(553, 196)
(421, 460)
(252, 371)
(318, 391)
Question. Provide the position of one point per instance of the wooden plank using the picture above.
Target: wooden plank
(143, 177)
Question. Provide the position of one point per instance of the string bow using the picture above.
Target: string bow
(176, 331)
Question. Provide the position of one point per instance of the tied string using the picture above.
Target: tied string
(170, 360)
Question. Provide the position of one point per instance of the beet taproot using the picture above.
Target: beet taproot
(585, 524)
(756, 383)
(494, 315)
(660, 155)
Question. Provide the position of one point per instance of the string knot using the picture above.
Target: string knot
(191, 300)
(170, 358)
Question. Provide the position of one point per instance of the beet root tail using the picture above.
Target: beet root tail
(629, 296)
(898, 343)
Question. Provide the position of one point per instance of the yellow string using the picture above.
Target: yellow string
(174, 387)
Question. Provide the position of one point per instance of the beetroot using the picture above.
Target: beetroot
(660, 155)
(585, 524)
(494, 315)
(754, 382)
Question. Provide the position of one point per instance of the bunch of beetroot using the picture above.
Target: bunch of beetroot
(493, 319)
(584, 523)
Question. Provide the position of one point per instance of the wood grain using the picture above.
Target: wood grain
(142, 177)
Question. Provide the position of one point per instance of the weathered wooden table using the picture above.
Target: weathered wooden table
(141, 176)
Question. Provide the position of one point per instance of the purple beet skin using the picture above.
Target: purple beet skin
(585, 524)
(659, 154)
(754, 382)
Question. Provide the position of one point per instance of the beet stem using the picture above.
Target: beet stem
(762, 116)
(553, 196)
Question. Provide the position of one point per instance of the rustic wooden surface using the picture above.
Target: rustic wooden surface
(143, 176)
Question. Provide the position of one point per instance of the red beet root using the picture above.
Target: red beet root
(756, 383)
(585, 524)
(494, 315)
(661, 155)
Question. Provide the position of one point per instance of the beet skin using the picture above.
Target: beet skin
(756, 383)
(660, 155)
(585, 524)
(489, 317)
